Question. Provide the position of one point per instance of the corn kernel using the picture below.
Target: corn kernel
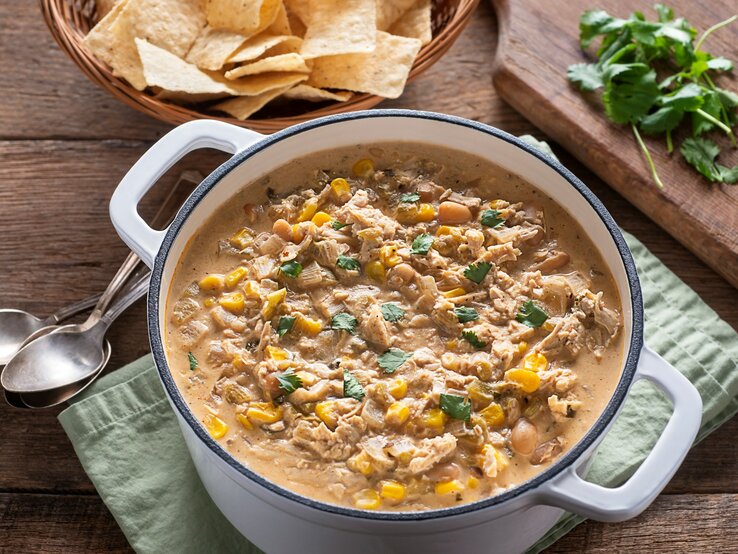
(397, 413)
(454, 293)
(452, 344)
(472, 482)
(376, 271)
(321, 218)
(548, 325)
(500, 457)
(340, 188)
(493, 415)
(528, 381)
(367, 499)
(535, 361)
(392, 490)
(234, 277)
(297, 234)
(251, 289)
(426, 213)
(435, 419)
(233, 302)
(449, 487)
(276, 353)
(210, 302)
(522, 346)
(264, 412)
(361, 463)
(238, 362)
(307, 378)
(244, 420)
(398, 388)
(308, 210)
(212, 283)
(216, 426)
(455, 232)
(363, 168)
(308, 325)
(388, 256)
(243, 238)
(273, 300)
(326, 411)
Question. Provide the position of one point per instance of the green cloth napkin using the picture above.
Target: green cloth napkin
(129, 443)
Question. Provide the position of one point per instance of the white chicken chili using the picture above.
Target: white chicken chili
(394, 326)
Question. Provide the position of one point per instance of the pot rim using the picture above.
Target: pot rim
(603, 421)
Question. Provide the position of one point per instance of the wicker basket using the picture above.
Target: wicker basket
(70, 20)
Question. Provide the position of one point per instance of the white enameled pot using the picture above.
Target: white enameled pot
(280, 521)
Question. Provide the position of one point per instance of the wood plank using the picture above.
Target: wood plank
(674, 523)
(539, 43)
(40, 524)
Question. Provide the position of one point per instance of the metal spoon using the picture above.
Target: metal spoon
(71, 354)
(16, 325)
(53, 397)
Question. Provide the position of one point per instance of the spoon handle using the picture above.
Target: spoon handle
(73, 309)
(134, 291)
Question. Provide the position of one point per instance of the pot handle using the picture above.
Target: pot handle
(569, 491)
(178, 142)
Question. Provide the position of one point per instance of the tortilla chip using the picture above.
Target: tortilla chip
(383, 72)
(213, 47)
(415, 23)
(282, 62)
(167, 71)
(389, 11)
(298, 8)
(244, 106)
(281, 25)
(169, 24)
(247, 17)
(339, 27)
(265, 44)
(312, 94)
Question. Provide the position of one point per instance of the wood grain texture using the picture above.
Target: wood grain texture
(538, 43)
(63, 147)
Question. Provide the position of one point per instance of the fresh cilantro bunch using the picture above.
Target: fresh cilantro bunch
(654, 78)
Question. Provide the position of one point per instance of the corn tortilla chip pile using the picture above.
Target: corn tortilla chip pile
(239, 55)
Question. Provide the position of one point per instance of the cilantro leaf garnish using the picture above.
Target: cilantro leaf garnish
(700, 153)
(289, 382)
(392, 312)
(193, 361)
(285, 325)
(466, 314)
(409, 197)
(351, 387)
(531, 315)
(472, 338)
(392, 359)
(422, 244)
(477, 272)
(491, 218)
(348, 263)
(291, 269)
(337, 225)
(631, 53)
(344, 322)
(456, 407)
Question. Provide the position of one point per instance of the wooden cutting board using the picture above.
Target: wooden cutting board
(539, 39)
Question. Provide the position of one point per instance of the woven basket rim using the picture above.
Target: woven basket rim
(64, 19)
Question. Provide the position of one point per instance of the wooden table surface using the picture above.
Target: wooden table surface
(64, 145)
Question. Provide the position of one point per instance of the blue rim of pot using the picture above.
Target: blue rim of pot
(617, 399)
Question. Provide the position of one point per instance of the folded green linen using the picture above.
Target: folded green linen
(129, 443)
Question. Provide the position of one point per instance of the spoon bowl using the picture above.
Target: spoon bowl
(15, 327)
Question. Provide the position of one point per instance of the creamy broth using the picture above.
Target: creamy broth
(458, 392)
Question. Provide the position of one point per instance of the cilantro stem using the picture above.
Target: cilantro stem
(713, 29)
(720, 124)
(706, 77)
(669, 144)
(647, 154)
